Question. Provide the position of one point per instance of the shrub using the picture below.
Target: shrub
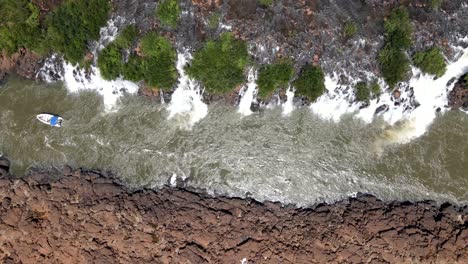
(110, 62)
(73, 24)
(362, 92)
(431, 61)
(375, 88)
(168, 12)
(435, 4)
(394, 64)
(273, 76)
(126, 37)
(398, 29)
(157, 65)
(133, 69)
(311, 82)
(392, 59)
(349, 30)
(220, 64)
(19, 25)
(266, 3)
(213, 20)
(110, 59)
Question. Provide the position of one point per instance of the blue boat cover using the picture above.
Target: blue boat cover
(54, 120)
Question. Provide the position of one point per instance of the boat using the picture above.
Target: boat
(51, 120)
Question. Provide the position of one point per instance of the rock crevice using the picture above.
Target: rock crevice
(89, 217)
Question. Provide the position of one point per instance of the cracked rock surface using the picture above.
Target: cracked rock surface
(89, 217)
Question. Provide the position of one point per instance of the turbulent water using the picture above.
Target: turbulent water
(298, 157)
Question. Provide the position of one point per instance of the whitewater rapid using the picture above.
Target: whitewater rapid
(408, 116)
(186, 106)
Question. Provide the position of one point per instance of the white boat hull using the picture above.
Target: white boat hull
(51, 120)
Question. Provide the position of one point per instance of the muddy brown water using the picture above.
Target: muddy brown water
(297, 159)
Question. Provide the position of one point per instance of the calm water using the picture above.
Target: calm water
(299, 159)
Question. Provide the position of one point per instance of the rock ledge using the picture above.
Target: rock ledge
(89, 217)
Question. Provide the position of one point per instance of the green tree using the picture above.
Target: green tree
(110, 62)
(272, 76)
(398, 29)
(19, 25)
(110, 59)
(169, 12)
(220, 64)
(73, 24)
(157, 64)
(362, 92)
(392, 58)
(311, 82)
(431, 61)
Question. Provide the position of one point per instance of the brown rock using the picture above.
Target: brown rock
(458, 97)
(86, 217)
(396, 94)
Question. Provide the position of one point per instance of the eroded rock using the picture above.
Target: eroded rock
(84, 217)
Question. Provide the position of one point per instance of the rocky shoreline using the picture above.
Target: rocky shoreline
(78, 216)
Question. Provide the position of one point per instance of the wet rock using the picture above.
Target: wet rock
(4, 166)
(458, 97)
(87, 216)
(241, 9)
(24, 63)
(396, 94)
(255, 107)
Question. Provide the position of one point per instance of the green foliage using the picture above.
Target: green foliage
(349, 29)
(311, 82)
(73, 24)
(266, 3)
(273, 76)
(375, 88)
(19, 25)
(157, 66)
(110, 62)
(398, 29)
(133, 70)
(362, 92)
(392, 59)
(435, 4)
(394, 65)
(220, 64)
(169, 12)
(431, 61)
(110, 59)
(128, 35)
(213, 20)
(466, 78)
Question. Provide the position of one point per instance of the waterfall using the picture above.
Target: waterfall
(186, 106)
(248, 93)
(288, 106)
(419, 100)
(77, 79)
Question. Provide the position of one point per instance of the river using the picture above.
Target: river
(301, 158)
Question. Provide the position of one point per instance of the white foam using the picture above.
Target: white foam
(288, 106)
(410, 115)
(107, 34)
(76, 80)
(186, 105)
(248, 93)
(335, 102)
(430, 94)
(173, 180)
